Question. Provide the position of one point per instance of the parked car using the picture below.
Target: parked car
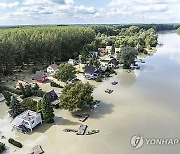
(73, 80)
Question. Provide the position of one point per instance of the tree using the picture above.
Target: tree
(7, 95)
(113, 50)
(29, 104)
(47, 110)
(127, 56)
(15, 107)
(22, 89)
(65, 72)
(75, 96)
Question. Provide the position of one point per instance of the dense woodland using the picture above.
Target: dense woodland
(46, 44)
(19, 46)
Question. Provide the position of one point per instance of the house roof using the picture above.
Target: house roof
(52, 96)
(89, 69)
(27, 115)
(54, 66)
(102, 50)
(113, 61)
(38, 75)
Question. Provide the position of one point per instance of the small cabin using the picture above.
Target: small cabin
(72, 62)
(53, 98)
(39, 76)
(24, 84)
(27, 121)
(51, 69)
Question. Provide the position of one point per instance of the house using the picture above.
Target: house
(103, 66)
(102, 51)
(53, 98)
(24, 84)
(93, 54)
(27, 121)
(72, 62)
(1, 97)
(109, 48)
(91, 72)
(39, 76)
(113, 63)
(51, 69)
(117, 50)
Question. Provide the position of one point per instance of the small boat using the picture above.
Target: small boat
(109, 91)
(94, 131)
(70, 130)
(114, 83)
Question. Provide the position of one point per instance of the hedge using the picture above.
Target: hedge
(12, 90)
(54, 84)
(2, 147)
(15, 143)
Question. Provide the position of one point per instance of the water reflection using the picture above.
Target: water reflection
(171, 47)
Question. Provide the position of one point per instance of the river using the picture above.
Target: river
(144, 102)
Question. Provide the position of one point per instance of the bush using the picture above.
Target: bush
(2, 147)
(54, 84)
(15, 143)
(98, 79)
(34, 69)
(12, 90)
(7, 95)
(38, 93)
(107, 74)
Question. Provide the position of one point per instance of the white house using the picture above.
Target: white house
(27, 120)
(103, 66)
(51, 69)
(1, 97)
(24, 84)
(72, 62)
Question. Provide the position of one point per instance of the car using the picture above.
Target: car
(73, 80)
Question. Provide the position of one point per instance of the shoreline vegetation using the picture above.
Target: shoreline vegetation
(36, 45)
(178, 31)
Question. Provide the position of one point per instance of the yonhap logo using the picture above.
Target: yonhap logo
(137, 141)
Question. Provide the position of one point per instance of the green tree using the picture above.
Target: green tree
(127, 56)
(7, 95)
(23, 91)
(113, 50)
(47, 110)
(65, 72)
(29, 104)
(15, 107)
(75, 96)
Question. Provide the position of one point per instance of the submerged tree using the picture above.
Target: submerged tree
(47, 110)
(65, 72)
(127, 56)
(7, 95)
(29, 104)
(75, 96)
(15, 107)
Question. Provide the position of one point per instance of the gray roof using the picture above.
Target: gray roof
(38, 75)
(54, 66)
(89, 69)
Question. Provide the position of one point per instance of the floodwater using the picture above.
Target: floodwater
(144, 102)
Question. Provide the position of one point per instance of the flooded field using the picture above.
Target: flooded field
(144, 101)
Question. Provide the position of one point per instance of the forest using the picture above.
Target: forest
(46, 44)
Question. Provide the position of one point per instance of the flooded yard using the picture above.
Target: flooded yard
(144, 101)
